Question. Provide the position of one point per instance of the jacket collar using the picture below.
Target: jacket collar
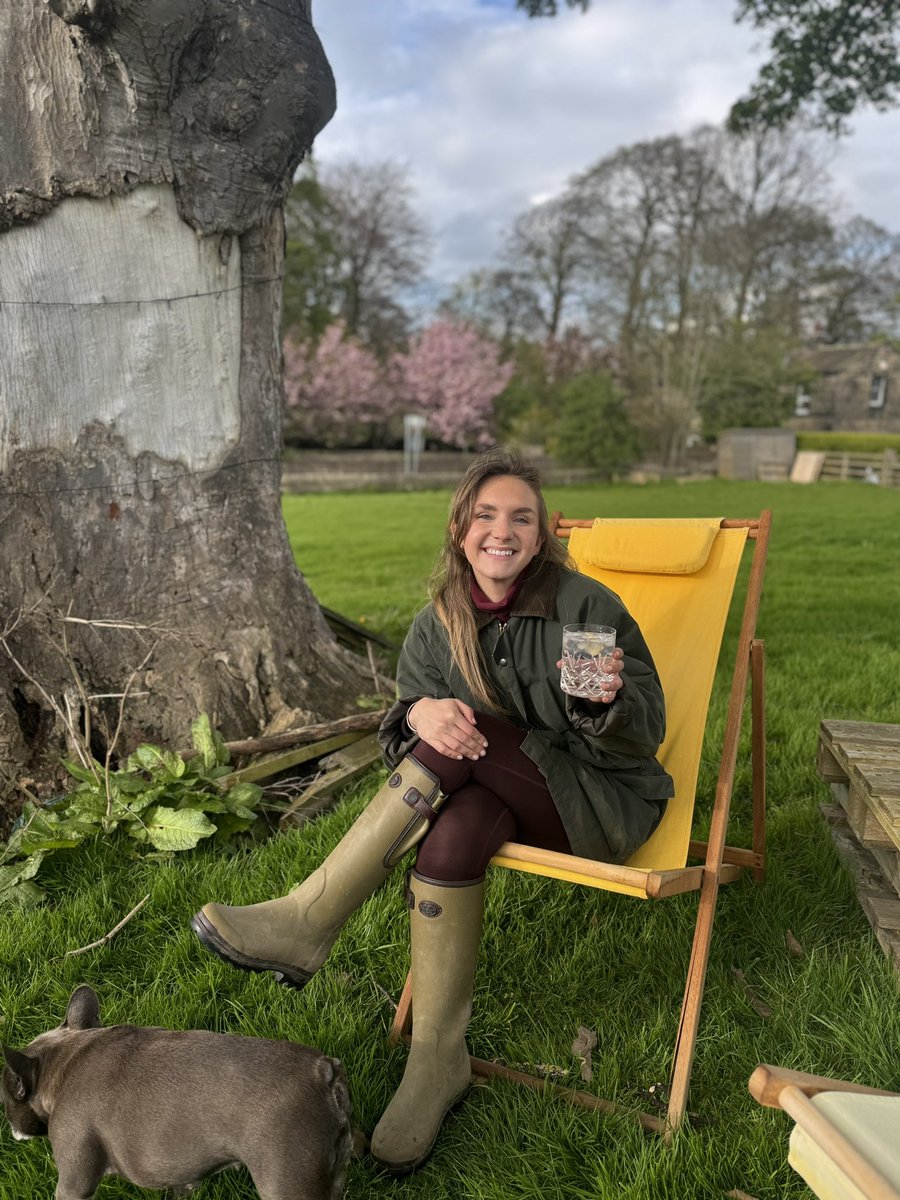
(536, 598)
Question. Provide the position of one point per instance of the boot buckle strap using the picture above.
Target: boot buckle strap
(418, 803)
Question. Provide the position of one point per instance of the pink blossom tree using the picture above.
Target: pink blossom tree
(452, 374)
(337, 392)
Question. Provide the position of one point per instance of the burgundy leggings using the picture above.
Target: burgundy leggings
(502, 797)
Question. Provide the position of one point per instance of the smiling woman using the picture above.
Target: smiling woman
(485, 747)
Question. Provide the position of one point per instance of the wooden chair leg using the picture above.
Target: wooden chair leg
(686, 1041)
(758, 751)
(402, 1024)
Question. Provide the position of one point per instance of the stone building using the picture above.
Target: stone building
(858, 389)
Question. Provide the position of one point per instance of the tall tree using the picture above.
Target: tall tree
(500, 302)
(313, 270)
(773, 230)
(356, 248)
(625, 201)
(543, 253)
(857, 291)
(146, 151)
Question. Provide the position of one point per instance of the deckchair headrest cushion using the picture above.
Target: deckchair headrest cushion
(664, 546)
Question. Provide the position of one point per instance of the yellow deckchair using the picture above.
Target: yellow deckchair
(844, 1142)
(677, 578)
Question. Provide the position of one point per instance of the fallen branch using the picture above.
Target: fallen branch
(759, 1005)
(107, 937)
(297, 737)
(385, 993)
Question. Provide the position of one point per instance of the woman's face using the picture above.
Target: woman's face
(504, 535)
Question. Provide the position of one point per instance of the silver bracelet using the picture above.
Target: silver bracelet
(408, 721)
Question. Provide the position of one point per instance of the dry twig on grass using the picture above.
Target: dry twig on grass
(107, 937)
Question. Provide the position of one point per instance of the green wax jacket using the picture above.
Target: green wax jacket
(598, 762)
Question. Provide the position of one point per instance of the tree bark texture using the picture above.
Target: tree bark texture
(146, 147)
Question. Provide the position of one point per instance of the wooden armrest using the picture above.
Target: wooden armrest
(653, 884)
(767, 1083)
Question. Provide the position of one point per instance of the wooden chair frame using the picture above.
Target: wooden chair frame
(792, 1091)
(721, 863)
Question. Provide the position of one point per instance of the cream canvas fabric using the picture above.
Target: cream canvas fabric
(872, 1126)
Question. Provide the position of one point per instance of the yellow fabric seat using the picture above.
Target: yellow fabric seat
(678, 583)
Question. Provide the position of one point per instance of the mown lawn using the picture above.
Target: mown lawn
(555, 957)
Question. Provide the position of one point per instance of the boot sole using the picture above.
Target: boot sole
(288, 976)
(407, 1168)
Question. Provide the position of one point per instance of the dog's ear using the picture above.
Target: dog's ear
(84, 1009)
(21, 1073)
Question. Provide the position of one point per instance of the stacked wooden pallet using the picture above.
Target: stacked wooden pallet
(861, 764)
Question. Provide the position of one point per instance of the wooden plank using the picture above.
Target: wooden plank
(884, 911)
(770, 471)
(319, 794)
(274, 764)
(887, 810)
(828, 768)
(868, 755)
(870, 759)
(807, 466)
(878, 899)
(861, 732)
(366, 750)
(864, 820)
(888, 940)
(889, 862)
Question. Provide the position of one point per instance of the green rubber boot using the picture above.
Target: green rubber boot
(445, 929)
(291, 936)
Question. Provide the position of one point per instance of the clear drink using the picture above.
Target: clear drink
(586, 652)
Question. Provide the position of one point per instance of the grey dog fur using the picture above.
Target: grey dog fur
(164, 1108)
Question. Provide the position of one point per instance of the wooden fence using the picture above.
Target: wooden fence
(869, 468)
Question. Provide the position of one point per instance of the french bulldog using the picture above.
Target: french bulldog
(164, 1108)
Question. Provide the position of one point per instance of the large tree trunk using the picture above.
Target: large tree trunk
(146, 147)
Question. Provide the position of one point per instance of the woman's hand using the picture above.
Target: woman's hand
(613, 667)
(448, 726)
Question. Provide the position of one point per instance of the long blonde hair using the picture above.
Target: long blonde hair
(450, 584)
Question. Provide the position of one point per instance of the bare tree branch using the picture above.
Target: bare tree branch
(107, 937)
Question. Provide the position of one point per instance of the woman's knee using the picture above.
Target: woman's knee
(470, 826)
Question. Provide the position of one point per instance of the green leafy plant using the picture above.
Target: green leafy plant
(160, 799)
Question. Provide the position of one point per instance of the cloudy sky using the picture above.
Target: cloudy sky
(491, 112)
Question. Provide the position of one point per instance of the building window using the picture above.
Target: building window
(877, 391)
(802, 402)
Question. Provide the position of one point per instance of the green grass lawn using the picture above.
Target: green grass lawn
(554, 956)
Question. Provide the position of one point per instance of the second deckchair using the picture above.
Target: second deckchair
(677, 578)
